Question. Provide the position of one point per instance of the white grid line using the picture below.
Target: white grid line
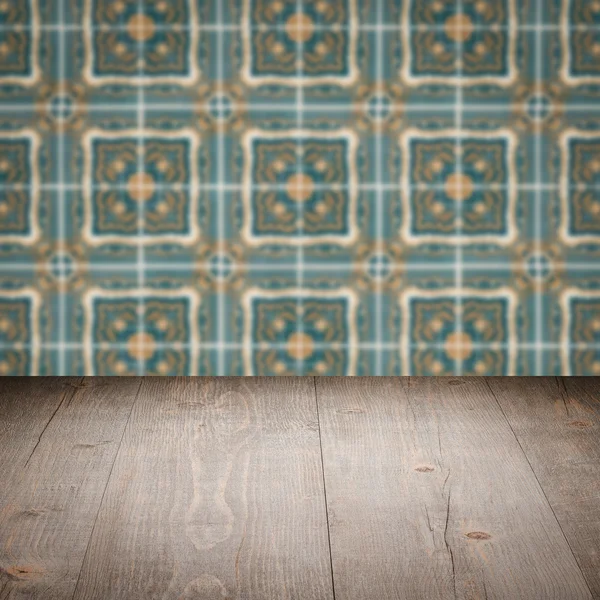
(379, 233)
(370, 346)
(298, 182)
(538, 28)
(221, 310)
(401, 28)
(363, 187)
(62, 316)
(430, 265)
(539, 331)
(141, 167)
(458, 361)
(414, 105)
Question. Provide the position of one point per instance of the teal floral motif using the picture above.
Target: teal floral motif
(307, 334)
(584, 330)
(156, 43)
(152, 335)
(301, 187)
(437, 344)
(476, 43)
(583, 43)
(164, 187)
(584, 12)
(17, 47)
(583, 182)
(584, 214)
(16, 336)
(16, 187)
(316, 43)
(478, 193)
(16, 12)
(584, 158)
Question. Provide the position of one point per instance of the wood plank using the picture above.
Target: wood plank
(430, 496)
(217, 492)
(48, 511)
(27, 405)
(557, 422)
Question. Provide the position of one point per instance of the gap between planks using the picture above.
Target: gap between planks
(487, 381)
(112, 466)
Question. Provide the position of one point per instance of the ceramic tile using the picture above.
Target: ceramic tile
(318, 187)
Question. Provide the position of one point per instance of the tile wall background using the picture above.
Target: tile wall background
(277, 187)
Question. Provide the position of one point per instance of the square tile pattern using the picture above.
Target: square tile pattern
(317, 187)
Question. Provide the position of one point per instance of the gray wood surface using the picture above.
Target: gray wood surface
(557, 422)
(256, 488)
(430, 496)
(217, 492)
(57, 473)
(27, 405)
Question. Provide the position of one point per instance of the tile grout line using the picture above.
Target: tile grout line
(539, 331)
(299, 349)
(361, 28)
(62, 285)
(141, 216)
(370, 346)
(324, 487)
(367, 187)
(458, 214)
(379, 233)
(350, 106)
(344, 266)
(220, 193)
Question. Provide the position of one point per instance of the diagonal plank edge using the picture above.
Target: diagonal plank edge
(430, 496)
(48, 507)
(216, 493)
(557, 422)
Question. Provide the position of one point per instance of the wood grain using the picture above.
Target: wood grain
(430, 496)
(217, 492)
(27, 405)
(557, 422)
(49, 507)
(435, 488)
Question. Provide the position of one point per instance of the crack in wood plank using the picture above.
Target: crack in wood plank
(67, 393)
(87, 548)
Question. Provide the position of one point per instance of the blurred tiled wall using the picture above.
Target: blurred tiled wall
(319, 187)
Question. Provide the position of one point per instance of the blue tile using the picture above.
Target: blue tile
(396, 186)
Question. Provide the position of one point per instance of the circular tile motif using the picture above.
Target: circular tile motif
(458, 345)
(459, 186)
(539, 107)
(220, 107)
(140, 27)
(300, 187)
(299, 27)
(61, 265)
(221, 266)
(539, 266)
(300, 345)
(141, 346)
(61, 107)
(140, 186)
(379, 266)
(459, 27)
(379, 107)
